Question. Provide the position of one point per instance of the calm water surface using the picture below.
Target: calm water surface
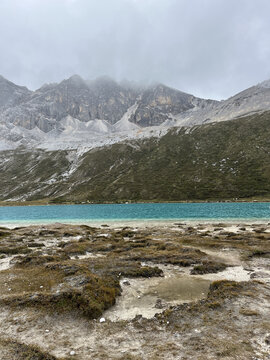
(117, 212)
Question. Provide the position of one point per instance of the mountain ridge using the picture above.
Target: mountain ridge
(224, 160)
(103, 103)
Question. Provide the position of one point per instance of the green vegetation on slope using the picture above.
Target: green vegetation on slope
(223, 160)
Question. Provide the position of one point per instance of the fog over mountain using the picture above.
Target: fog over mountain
(78, 113)
(212, 49)
(149, 85)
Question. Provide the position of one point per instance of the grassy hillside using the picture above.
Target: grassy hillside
(215, 161)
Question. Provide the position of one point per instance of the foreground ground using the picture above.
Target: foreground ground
(174, 292)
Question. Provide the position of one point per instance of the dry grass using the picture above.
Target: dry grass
(60, 288)
(18, 351)
(249, 312)
(49, 281)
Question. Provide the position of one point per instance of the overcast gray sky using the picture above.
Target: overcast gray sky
(210, 48)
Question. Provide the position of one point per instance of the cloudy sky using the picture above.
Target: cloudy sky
(210, 48)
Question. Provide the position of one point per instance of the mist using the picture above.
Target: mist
(210, 48)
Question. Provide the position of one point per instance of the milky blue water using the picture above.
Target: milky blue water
(122, 212)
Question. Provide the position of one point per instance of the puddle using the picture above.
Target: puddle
(147, 297)
(179, 289)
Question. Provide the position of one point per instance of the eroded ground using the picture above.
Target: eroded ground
(174, 292)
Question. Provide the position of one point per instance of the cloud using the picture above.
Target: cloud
(211, 48)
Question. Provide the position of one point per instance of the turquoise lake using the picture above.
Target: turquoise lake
(133, 212)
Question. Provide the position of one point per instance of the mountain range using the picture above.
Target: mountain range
(79, 113)
(98, 141)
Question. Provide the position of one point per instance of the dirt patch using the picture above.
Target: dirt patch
(126, 293)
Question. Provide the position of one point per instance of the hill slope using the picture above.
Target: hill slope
(214, 161)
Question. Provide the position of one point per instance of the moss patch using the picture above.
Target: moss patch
(208, 267)
(19, 351)
(52, 287)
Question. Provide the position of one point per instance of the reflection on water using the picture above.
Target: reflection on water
(147, 297)
(179, 288)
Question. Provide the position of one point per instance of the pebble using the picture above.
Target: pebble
(101, 320)
(126, 282)
(267, 339)
(159, 304)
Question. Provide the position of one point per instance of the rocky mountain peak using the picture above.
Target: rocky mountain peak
(2, 79)
(159, 102)
(80, 109)
(11, 94)
(265, 84)
(75, 79)
(8, 83)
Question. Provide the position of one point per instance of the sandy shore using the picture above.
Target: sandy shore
(141, 224)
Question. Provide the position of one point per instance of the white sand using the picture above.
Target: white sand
(231, 224)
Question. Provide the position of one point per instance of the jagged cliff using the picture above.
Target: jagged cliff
(77, 112)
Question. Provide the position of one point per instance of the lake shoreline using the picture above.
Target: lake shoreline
(136, 214)
(140, 224)
(195, 201)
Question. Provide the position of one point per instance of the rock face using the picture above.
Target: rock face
(157, 104)
(77, 112)
(11, 94)
(102, 99)
(255, 99)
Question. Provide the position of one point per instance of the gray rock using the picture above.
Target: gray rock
(102, 98)
(27, 118)
(159, 304)
(11, 94)
(77, 281)
(259, 274)
(126, 282)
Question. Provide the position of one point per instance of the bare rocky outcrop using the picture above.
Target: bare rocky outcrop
(102, 98)
(11, 94)
(79, 113)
